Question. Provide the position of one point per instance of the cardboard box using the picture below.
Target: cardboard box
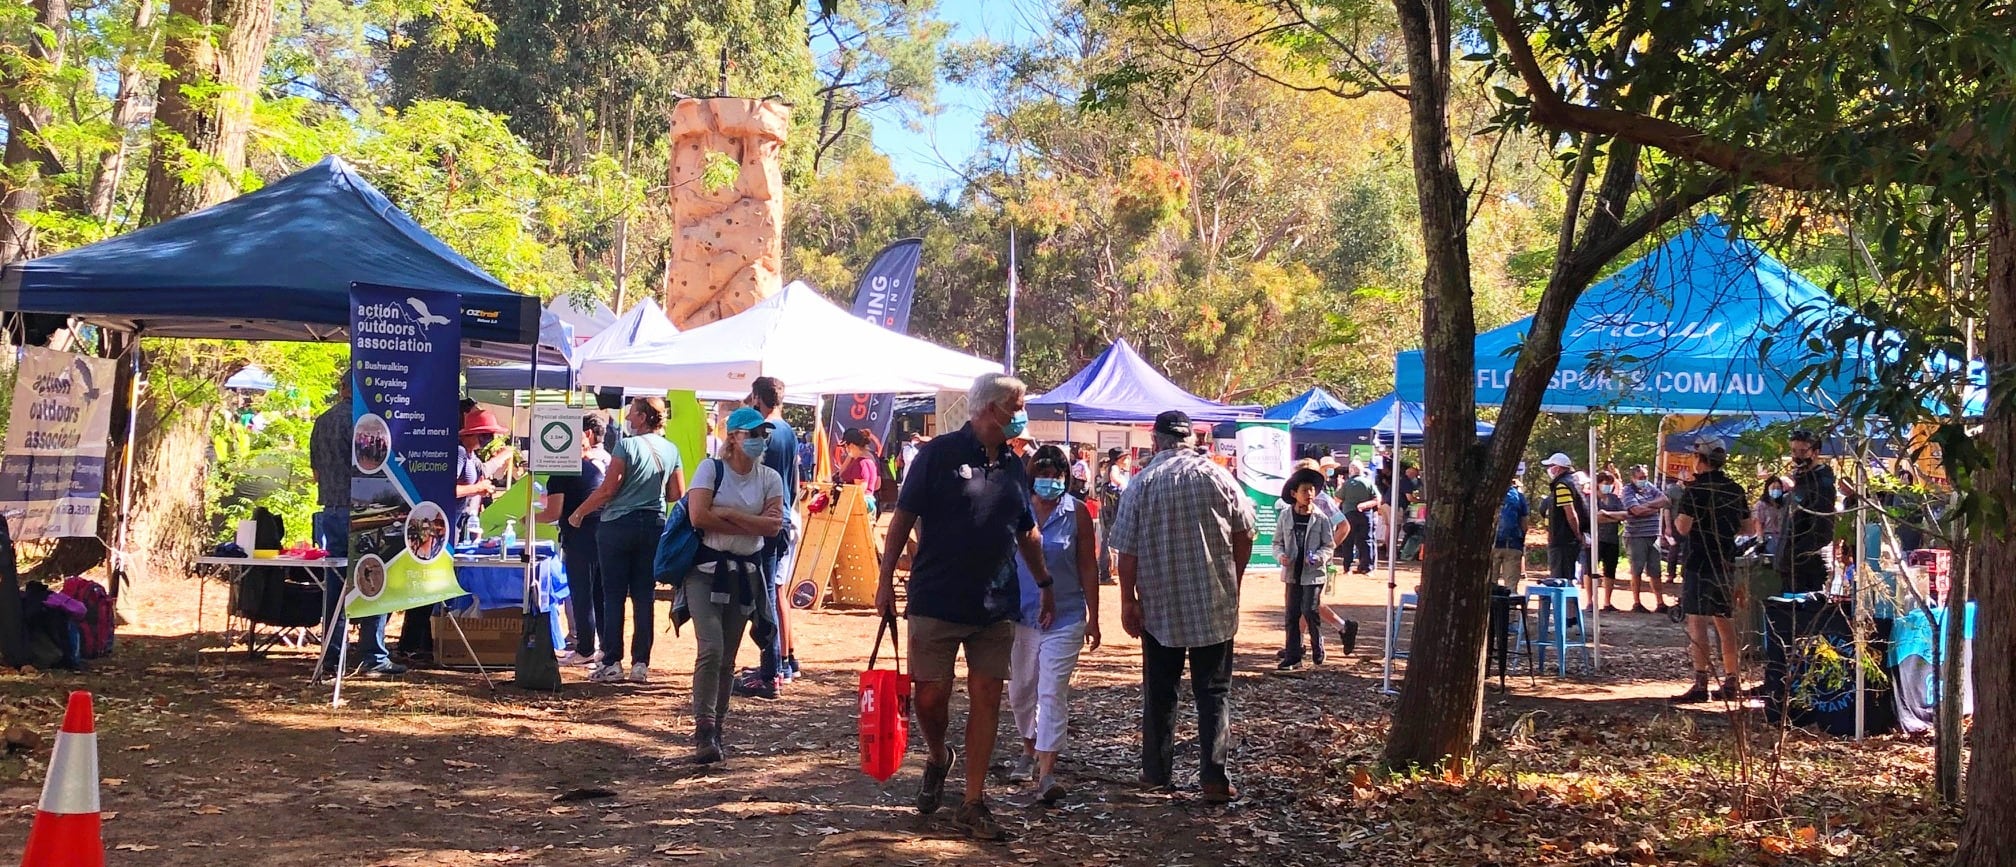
(493, 635)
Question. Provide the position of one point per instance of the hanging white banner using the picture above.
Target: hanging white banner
(53, 470)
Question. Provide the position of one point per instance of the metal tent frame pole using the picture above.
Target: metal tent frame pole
(1595, 576)
(1393, 524)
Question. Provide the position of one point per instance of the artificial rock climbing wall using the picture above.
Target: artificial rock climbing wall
(728, 249)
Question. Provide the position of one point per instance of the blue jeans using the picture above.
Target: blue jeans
(332, 534)
(584, 587)
(627, 546)
(772, 657)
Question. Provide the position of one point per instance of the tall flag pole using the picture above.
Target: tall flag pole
(1008, 358)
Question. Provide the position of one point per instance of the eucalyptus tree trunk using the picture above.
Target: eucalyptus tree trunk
(28, 158)
(1988, 836)
(204, 105)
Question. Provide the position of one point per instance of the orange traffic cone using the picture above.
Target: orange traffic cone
(65, 833)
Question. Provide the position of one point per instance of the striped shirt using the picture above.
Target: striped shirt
(1641, 494)
(1178, 518)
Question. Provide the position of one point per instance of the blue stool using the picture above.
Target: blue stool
(1556, 604)
(1407, 601)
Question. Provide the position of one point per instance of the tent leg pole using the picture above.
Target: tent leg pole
(1855, 591)
(126, 469)
(1393, 524)
(532, 497)
(1596, 586)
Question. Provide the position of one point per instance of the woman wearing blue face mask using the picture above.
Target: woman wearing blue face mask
(736, 503)
(1039, 688)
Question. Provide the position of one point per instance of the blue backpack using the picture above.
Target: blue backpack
(679, 544)
(678, 548)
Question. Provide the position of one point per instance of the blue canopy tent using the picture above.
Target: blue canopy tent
(1681, 330)
(1301, 409)
(1306, 407)
(1376, 422)
(1119, 387)
(274, 264)
(1729, 429)
(1706, 323)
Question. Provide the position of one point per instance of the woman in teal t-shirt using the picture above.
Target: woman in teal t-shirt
(643, 477)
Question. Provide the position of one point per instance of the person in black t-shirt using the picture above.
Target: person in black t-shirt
(565, 494)
(1810, 518)
(1713, 511)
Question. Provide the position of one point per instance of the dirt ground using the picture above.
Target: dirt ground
(209, 757)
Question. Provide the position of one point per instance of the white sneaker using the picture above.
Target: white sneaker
(574, 658)
(640, 673)
(607, 674)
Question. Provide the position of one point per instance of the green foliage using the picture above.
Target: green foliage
(721, 172)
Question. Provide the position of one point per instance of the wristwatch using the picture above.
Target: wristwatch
(1044, 585)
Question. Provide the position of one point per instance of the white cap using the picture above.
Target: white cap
(1559, 459)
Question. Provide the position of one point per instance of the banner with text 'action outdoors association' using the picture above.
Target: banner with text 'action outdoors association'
(405, 358)
(54, 468)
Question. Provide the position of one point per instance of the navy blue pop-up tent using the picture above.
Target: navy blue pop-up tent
(1312, 405)
(274, 264)
(1374, 422)
(1301, 409)
(1119, 387)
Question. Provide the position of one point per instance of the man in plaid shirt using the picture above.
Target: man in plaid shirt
(1183, 537)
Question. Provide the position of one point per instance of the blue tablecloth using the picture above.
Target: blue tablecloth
(501, 584)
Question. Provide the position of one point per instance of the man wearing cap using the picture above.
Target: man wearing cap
(1567, 519)
(1184, 535)
(967, 497)
(1812, 514)
(1713, 511)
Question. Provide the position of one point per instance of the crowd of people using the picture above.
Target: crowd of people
(1008, 544)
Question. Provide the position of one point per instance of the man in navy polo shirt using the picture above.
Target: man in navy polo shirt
(967, 496)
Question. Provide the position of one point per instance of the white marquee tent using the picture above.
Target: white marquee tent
(798, 336)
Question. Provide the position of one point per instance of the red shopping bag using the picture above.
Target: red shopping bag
(885, 710)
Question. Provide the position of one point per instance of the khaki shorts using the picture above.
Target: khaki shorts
(934, 645)
(1508, 567)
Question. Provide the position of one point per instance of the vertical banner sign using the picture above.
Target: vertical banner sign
(883, 298)
(405, 348)
(1263, 456)
(54, 468)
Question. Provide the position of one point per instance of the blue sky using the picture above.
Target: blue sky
(951, 136)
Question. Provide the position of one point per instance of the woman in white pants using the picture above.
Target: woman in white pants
(1039, 686)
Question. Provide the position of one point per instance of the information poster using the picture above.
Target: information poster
(1263, 464)
(405, 346)
(54, 468)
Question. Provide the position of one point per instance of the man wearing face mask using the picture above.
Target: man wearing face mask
(967, 496)
(1645, 504)
(1809, 516)
(1567, 519)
